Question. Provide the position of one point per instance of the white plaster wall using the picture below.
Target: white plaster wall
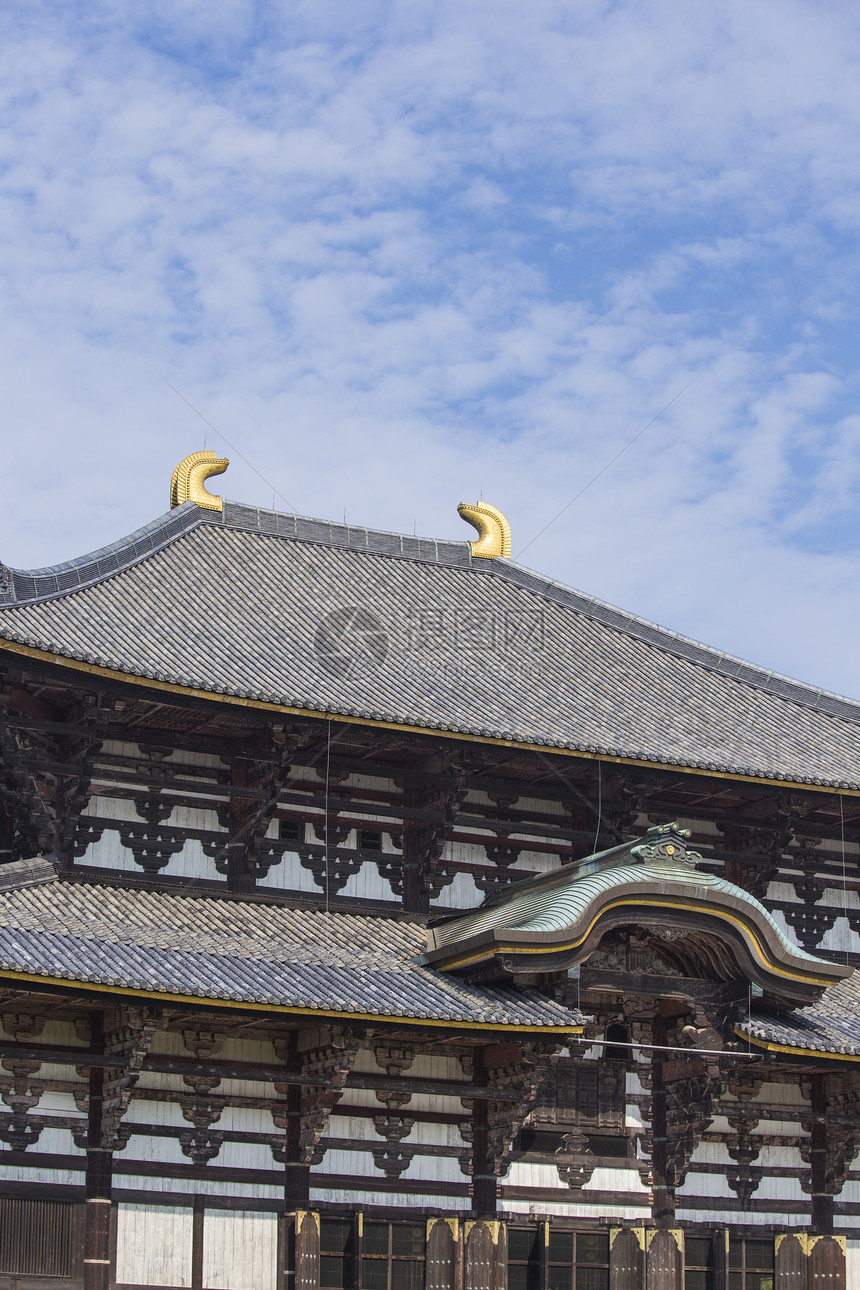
(710, 1185)
(167, 1043)
(850, 1195)
(840, 938)
(289, 874)
(240, 1250)
(45, 1177)
(724, 1218)
(198, 1187)
(390, 1200)
(460, 894)
(184, 757)
(852, 1265)
(549, 1209)
(153, 1245)
(778, 890)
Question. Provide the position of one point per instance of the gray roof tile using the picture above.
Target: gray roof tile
(233, 604)
(830, 1026)
(247, 952)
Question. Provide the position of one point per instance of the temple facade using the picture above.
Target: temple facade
(378, 914)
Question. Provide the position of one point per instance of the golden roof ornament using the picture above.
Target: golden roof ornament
(188, 477)
(494, 531)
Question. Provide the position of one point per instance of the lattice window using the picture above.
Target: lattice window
(392, 1256)
(575, 1260)
(337, 1254)
(578, 1261)
(699, 1263)
(40, 1238)
(751, 1265)
(523, 1258)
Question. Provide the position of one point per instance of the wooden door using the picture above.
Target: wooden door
(826, 1263)
(665, 1260)
(790, 1262)
(307, 1250)
(485, 1256)
(626, 1258)
(441, 1265)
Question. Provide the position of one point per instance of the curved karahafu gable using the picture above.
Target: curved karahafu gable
(711, 927)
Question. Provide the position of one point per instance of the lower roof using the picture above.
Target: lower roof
(193, 948)
(830, 1028)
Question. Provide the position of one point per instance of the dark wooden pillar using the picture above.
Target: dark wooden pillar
(97, 1234)
(822, 1200)
(239, 878)
(197, 1225)
(297, 1180)
(663, 1203)
(416, 898)
(484, 1183)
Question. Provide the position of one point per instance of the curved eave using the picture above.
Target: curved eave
(573, 941)
(263, 706)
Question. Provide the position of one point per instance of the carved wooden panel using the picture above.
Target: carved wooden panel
(590, 1097)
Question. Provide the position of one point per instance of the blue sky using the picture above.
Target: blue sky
(408, 254)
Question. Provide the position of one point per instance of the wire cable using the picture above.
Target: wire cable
(844, 875)
(327, 780)
(599, 807)
(603, 470)
(233, 448)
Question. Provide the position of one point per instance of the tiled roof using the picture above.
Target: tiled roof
(830, 1026)
(245, 952)
(421, 635)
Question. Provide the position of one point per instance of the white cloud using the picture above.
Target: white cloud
(406, 254)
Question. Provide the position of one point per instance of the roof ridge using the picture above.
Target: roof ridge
(24, 586)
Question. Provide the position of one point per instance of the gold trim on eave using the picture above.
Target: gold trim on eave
(700, 906)
(252, 1005)
(261, 705)
(186, 485)
(794, 1051)
(494, 531)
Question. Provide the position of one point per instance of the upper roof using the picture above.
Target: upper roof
(207, 949)
(267, 608)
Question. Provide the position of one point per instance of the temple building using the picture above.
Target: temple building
(379, 914)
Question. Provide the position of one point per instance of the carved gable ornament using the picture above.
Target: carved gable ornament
(556, 921)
